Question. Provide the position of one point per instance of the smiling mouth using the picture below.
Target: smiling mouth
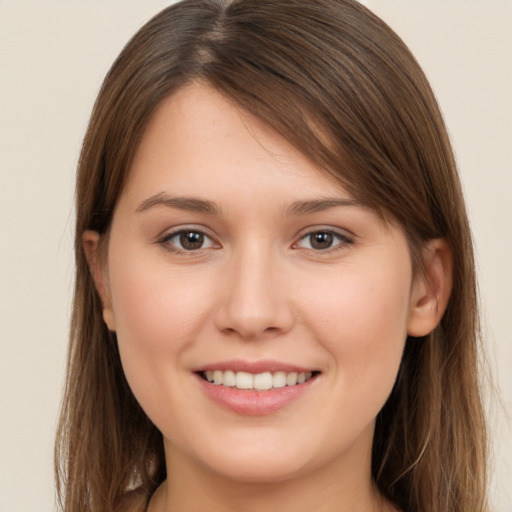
(256, 382)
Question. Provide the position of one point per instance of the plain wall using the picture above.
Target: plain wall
(53, 56)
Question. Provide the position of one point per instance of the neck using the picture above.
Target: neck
(340, 487)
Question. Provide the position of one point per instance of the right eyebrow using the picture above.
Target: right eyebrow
(318, 205)
(191, 204)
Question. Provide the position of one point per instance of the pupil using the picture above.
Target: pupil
(321, 240)
(191, 240)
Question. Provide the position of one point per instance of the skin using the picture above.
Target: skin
(258, 288)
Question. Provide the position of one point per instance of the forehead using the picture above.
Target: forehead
(199, 140)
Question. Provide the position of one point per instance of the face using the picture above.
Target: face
(261, 312)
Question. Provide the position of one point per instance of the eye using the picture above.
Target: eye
(323, 240)
(187, 240)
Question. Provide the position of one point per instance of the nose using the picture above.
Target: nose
(254, 302)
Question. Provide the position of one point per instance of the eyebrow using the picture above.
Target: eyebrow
(191, 204)
(319, 205)
(194, 204)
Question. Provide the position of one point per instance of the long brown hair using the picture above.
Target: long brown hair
(340, 86)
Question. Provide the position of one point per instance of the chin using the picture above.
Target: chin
(263, 470)
(261, 462)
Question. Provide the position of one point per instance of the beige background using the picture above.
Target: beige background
(53, 56)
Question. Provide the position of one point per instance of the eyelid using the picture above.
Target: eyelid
(344, 238)
(164, 239)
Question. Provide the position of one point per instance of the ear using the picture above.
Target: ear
(431, 290)
(91, 245)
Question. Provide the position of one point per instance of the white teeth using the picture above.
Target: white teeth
(291, 379)
(263, 381)
(279, 380)
(259, 381)
(244, 380)
(229, 378)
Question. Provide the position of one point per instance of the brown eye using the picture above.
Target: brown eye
(187, 240)
(323, 241)
(191, 240)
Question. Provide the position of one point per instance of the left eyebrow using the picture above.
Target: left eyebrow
(192, 204)
(319, 205)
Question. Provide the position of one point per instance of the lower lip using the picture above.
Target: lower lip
(254, 403)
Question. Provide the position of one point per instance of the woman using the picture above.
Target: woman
(275, 299)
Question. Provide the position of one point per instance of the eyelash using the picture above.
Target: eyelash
(165, 241)
(339, 241)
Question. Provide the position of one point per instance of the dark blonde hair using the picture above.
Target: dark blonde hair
(339, 85)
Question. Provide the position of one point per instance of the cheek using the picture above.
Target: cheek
(361, 318)
(152, 312)
(158, 313)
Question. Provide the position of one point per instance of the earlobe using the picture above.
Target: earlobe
(431, 290)
(91, 244)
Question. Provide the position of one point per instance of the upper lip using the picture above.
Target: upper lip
(255, 367)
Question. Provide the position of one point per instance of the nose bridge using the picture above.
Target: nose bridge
(254, 301)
